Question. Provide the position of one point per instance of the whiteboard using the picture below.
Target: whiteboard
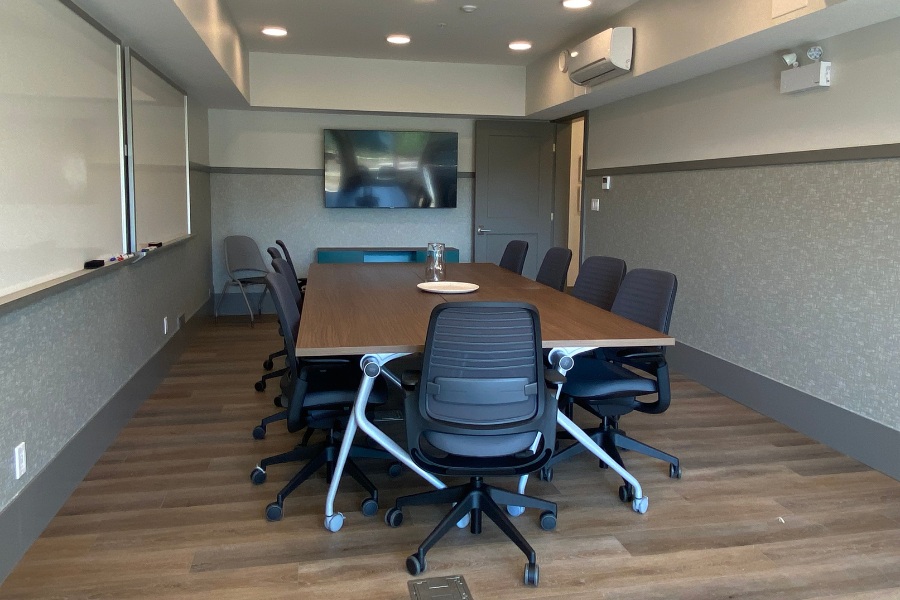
(61, 166)
(159, 154)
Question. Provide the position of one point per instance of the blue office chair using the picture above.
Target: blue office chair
(610, 383)
(480, 409)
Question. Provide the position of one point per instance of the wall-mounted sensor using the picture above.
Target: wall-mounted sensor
(605, 182)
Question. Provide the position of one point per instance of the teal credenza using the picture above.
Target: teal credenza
(373, 255)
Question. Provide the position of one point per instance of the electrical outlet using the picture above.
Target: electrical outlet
(165, 325)
(595, 203)
(20, 460)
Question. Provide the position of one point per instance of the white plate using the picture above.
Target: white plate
(447, 287)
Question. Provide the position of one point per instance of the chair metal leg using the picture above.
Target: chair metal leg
(449, 521)
(246, 301)
(498, 516)
(228, 284)
(261, 298)
(623, 441)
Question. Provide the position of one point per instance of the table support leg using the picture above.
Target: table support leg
(371, 366)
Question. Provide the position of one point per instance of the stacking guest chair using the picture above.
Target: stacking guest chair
(598, 280)
(480, 409)
(513, 258)
(245, 267)
(554, 268)
(611, 384)
(320, 397)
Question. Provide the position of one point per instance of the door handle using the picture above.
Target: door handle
(482, 230)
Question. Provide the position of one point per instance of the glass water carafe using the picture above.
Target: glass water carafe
(434, 262)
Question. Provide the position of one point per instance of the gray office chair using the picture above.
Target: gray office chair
(480, 409)
(598, 280)
(513, 258)
(554, 268)
(280, 266)
(320, 397)
(610, 384)
(245, 266)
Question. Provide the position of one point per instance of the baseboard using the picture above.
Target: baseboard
(856, 436)
(233, 303)
(23, 520)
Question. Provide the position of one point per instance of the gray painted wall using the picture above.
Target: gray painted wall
(270, 206)
(64, 357)
(788, 271)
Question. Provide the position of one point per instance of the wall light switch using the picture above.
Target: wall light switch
(595, 203)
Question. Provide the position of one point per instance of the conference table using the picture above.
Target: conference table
(377, 310)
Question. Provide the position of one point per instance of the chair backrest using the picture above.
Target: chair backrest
(288, 315)
(554, 268)
(282, 267)
(482, 393)
(647, 296)
(598, 280)
(287, 255)
(242, 254)
(513, 258)
(273, 252)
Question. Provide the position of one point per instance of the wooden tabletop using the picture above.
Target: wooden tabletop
(377, 308)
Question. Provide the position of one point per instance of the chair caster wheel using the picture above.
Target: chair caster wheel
(515, 511)
(532, 574)
(415, 565)
(548, 520)
(260, 386)
(626, 493)
(393, 517)
(334, 522)
(639, 505)
(546, 474)
(274, 512)
(258, 475)
(259, 432)
(277, 402)
(464, 522)
(394, 470)
(268, 364)
(369, 507)
(675, 472)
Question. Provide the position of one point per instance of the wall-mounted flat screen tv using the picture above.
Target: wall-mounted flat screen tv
(390, 169)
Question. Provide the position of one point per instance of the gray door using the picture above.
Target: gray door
(514, 166)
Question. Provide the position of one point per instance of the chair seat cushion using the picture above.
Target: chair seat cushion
(473, 445)
(595, 378)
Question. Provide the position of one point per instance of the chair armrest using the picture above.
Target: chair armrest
(554, 377)
(410, 379)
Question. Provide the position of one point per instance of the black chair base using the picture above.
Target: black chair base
(610, 438)
(476, 499)
(323, 454)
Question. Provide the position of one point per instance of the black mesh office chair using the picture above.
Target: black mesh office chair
(513, 258)
(554, 268)
(269, 363)
(477, 411)
(601, 384)
(301, 281)
(320, 397)
(598, 280)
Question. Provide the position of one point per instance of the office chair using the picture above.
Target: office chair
(480, 409)
(554, 268)
(598, 280)
(301, 281)
(602, 385)
(320, 396)
(269, 363)
(513, 258)
(245, 266)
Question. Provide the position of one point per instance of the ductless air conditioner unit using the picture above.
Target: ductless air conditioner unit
(602, 57)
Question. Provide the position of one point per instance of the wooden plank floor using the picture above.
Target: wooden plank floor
(169, 512)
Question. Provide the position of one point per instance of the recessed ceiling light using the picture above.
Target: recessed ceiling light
(275, 31)
(576, 3)
(520, 45)
(398, 38)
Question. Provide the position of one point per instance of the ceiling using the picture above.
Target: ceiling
(440, 30)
